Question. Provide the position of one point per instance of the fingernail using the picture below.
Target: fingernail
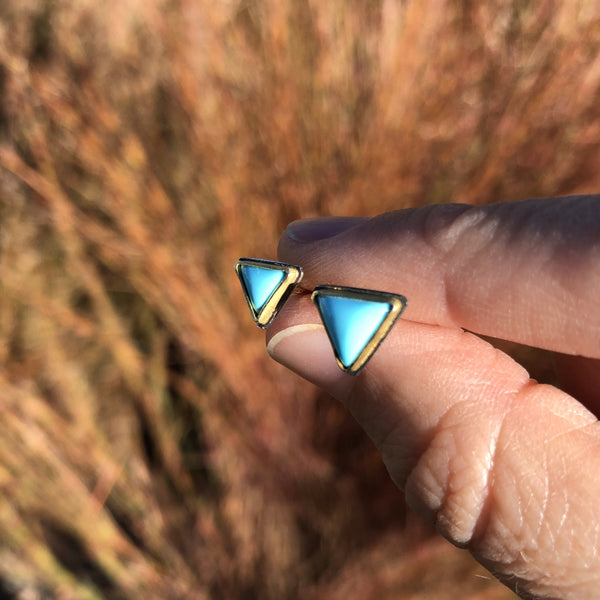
(305, 349)
(312, 230)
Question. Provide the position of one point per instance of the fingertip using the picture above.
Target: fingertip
(321, 228)
(306, 242)
(304, 349)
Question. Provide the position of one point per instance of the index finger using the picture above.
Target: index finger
(524, 271)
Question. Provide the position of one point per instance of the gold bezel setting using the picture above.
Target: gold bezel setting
(264, 316)
(396, 302)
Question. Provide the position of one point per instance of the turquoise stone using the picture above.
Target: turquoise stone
(351, 323)
(260, 283)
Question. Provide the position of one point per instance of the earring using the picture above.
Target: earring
(267, 284)
(356, 321)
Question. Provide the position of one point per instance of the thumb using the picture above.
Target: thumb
(502, 465)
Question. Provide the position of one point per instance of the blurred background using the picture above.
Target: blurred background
(148, 446)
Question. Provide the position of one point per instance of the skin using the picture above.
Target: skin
(505, 467)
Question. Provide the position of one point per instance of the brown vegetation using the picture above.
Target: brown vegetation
(148, 447)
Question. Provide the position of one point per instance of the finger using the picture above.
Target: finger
(502, 465)
(523, 271)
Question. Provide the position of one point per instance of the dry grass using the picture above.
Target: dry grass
(148, 448)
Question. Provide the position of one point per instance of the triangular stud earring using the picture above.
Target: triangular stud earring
(356, 321)
(267, 284)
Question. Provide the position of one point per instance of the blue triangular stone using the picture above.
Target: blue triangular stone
(351, 323)
(260, 283)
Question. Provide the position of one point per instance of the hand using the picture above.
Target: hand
(504, 466)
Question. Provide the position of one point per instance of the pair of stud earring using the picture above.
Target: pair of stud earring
(356, 320)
